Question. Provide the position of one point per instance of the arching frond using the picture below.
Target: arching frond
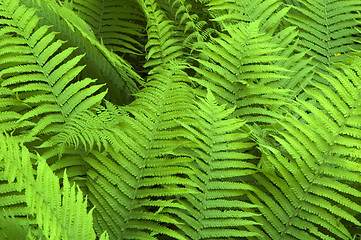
(234, 66)
(102, 63)
(162, 46)
(311, 189)
(60, 213)
(247, 126)
(326, 29)
(118, 23)
(219, 207)
(41, 72)
(299, 65)
(194, 24)
(230, 12)
(136, 175)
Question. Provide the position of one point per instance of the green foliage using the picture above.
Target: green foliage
(327, 28)
(233, 67)
(186, 119)
(60, 213)
(119, 24)
(315, 167)
(219, 207)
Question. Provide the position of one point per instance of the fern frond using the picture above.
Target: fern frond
(138, 174)
(193, 22)
(100, 123)
(43, 75)
(219, 208)
(299, 65)
(14, 213)
(235, 65)
(162, 45)
(312, 191)
(15, 167)
(11, 228)
(326, 29)
(105, 65)
(119, 24)
(230, 12)
(60, 213)
(10, 112)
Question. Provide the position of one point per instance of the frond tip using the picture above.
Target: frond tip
(219, 209)
(233, 66)
(60, 213)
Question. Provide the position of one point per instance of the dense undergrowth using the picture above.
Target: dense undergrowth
(184, 119)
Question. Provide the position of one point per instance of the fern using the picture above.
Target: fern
(312, 187)
(218, 209)
(9, 226)
(326, 29)
(187, 119)
(299, 64)
(236, 63)
(41, 72)
(144, 176)
(119, 24)
(54, 208)
(100, 123)
(194, 28)
(233, 11)
(162, 46)
(115, 71)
